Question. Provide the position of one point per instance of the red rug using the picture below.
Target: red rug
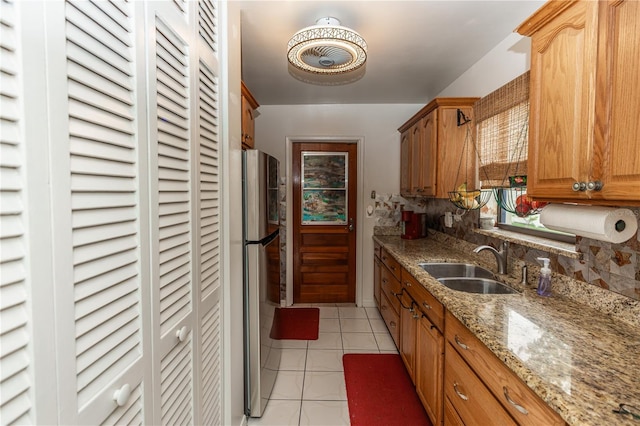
(295, 324)
(380, 392)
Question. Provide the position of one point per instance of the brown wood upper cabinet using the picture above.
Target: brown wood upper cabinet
(249, 105)
(434, 156)
(585, 101)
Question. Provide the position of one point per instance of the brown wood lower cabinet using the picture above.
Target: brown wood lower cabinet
(408, 328)
(500, 384)
(377, 269)
(422, 344)
(457, 378)
(429, 367)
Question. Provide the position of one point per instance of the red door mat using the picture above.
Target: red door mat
(380, 392)
(295, 324)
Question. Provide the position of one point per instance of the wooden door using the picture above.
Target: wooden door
(98, 231)
(416, 159)
(405, 163)
(324, 230)
(429, 143)
(617, 106)
(561, 99)
(456, 159)
(429, 367)
(408, 334)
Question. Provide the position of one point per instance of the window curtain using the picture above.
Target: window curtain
(502, 119)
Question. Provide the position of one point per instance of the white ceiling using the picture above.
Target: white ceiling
(416, 48)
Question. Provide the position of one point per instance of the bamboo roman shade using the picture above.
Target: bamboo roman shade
(502, 119)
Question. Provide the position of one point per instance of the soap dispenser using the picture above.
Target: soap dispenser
(544, 282)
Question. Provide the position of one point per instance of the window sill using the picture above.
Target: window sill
(551, 246)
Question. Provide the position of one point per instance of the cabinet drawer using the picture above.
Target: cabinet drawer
(390, 317)
(390, 263)
(451, 418)
(470, 398)
(390, 286)
(517, 398)
(428, 304)
(377, 249)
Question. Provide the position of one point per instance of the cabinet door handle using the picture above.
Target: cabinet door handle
(460, 394)
(579, 186)
(512, 402)
(182, 334)
(459, 343)
(121, 396)
(594, 185)
(392, 324)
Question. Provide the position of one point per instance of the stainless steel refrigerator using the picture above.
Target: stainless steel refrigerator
(261, 225)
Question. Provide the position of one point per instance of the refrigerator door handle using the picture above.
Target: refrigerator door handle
(266, 240)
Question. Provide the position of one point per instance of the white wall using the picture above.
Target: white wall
(509, 59)
(380, 168)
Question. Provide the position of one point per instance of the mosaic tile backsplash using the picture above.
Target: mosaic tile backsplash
(614, 267)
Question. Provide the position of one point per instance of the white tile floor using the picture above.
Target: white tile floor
(310, 388)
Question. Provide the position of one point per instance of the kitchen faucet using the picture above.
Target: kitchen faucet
(501, 256)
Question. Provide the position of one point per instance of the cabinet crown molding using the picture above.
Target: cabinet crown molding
(542, 16)
(435, 103)
(247, 94)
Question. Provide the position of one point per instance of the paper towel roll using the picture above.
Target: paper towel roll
(600, 223)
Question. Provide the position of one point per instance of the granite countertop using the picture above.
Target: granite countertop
(581, 362)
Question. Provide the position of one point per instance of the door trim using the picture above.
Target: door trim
(359, 141)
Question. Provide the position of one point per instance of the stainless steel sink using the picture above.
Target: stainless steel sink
(476, 285)
(445, 270)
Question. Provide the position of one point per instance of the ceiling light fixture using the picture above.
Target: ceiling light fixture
(327, 48)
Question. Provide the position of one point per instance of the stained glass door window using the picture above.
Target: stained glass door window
(324, 188)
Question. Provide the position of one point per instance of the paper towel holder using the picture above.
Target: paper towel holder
(611, 224)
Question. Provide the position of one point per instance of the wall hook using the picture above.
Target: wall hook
(462, 119)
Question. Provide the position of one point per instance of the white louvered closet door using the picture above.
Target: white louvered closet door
(173, 263)
(16, 405)
(208, 242)
(97, 204)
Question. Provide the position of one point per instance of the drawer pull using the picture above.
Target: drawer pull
(459, 343)
(393, 268)
(392, 324)
(426, 305)
(407, 283)
(460, 394)
(512, 402)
